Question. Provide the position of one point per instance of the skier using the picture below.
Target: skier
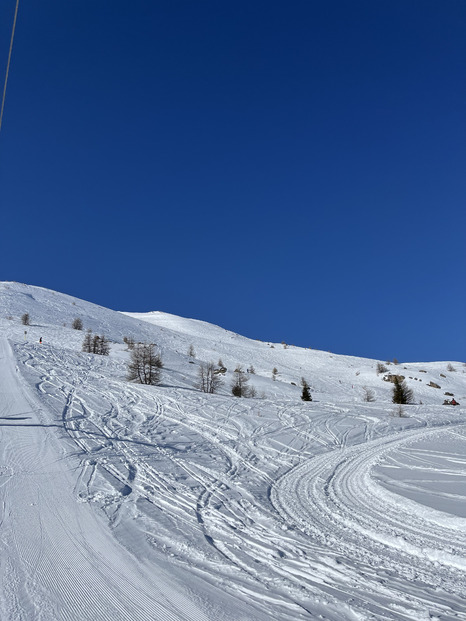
(40, 341)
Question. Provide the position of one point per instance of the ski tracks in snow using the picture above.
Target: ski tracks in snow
(390, 552)
(275, 503)
(59, 559)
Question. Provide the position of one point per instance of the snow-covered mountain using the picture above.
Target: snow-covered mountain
(124, 501)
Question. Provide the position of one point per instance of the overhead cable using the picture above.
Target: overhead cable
(8, 63)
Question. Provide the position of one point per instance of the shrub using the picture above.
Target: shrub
(129, 342)
(26, 320)
(77, 324)
(381, 368)
(369, 396)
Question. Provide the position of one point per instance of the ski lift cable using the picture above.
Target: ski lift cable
(8, 63)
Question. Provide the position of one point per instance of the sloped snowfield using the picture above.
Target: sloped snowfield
(122, 501)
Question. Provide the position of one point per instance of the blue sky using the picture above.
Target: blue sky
(292, 171)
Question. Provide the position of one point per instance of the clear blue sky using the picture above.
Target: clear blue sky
(293, 171)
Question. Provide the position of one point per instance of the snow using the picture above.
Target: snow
(122, 501)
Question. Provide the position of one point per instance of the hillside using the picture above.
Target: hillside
(125, 501)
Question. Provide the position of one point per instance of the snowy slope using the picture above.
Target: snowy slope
(125, 501)
(330, 375)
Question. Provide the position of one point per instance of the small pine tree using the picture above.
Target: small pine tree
(274, 373)
(191, 351)
(25, 319)
(239, 384)
(306, 393)
(401, 393)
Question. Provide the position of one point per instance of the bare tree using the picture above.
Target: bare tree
(87, 343)
(77, 324)
(26, 320)
(129, 340)
(145, 364)
(209, 379)
(399, 412)
(191, 351)
(369, 395)
(96, 344)
(102, 346)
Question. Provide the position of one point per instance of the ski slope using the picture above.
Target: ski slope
(122, 501)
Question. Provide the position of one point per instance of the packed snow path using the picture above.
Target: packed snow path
(59, 561)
